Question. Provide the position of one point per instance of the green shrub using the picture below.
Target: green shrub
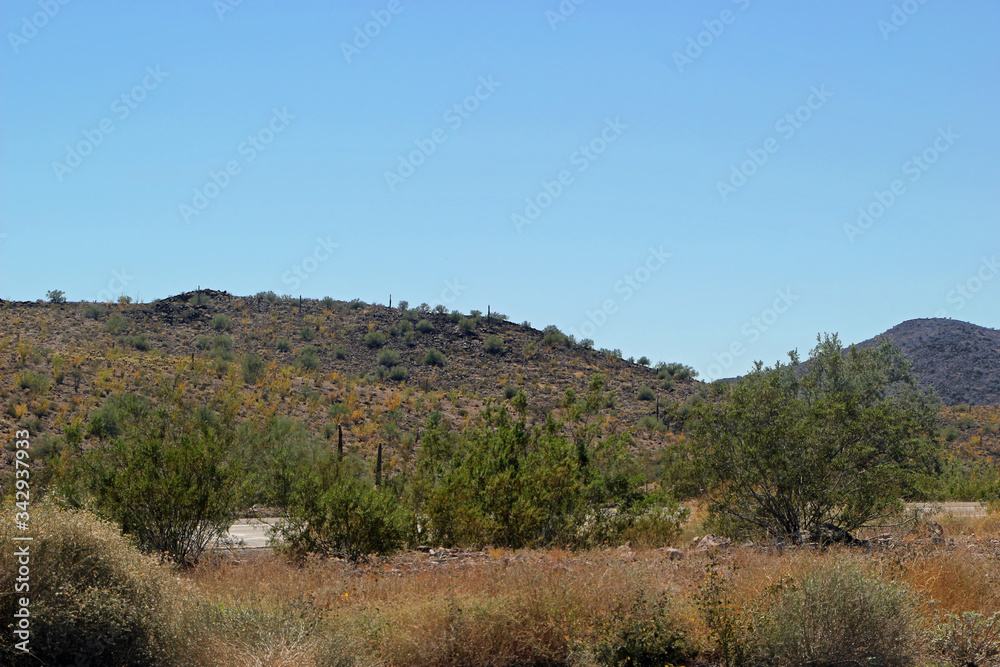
(339, 353)
(221, 322)
(968, 639)
(467, 325)
(124, 300)
(388, 358)
(837, 615)
(337, 514)
(646, 394)
(493, 344)
(56, 296)
(965, 423)
(170, 479)
(254, 368)
(115, 324)
(222, 348)
(643, 361)
(404, 305)
(509, 391)
(138, 342)
(327, 302)
(950, 433)
(199, 299)
(93, 312)
(404, 326)
(95, 600)
(645, 634)
(425, 326)
(587, 343)
(308, 358)
(410, 338)
(283, 345)
(375, 339)
(307, 334)
(398, 374)
(32, 382)
(675, 371)
(433, 358)
(268, 296)
(552, 336)
(356, 304)
(203, 342)
(338, 409)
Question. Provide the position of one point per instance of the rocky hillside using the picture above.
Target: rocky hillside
(960, 360)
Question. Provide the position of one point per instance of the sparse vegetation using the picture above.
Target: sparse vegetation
(433, 358)
(375, 339)
(493, 344)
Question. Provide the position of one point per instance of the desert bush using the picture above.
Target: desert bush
(398, 374)
(199, 299)
(646, 394)
(283, 345)
(968, 639)
(467, 325)
(115, 324)
(171, 479)
(375, 339)
(355, 304)
(308, 358)
(137, 341)
(93, 312)
(388, 358)
(203, 342)
(433, 358)
(645, 634)
(335, 512)
(425, 326)
(643, 361)
(410, 338)
(56, 296)
(509, 391)
(587, 343)
(254, 368)
(95, 600)
(222, 348)
(327, 303)
(306, 333)
(552, 336)
(222, 322)
(268, 296)
(493, 344)
(339, 353)
(33, 382)
(836, 615)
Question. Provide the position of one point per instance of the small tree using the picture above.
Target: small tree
(56, 296)
(826, 451)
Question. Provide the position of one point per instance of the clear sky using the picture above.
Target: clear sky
(677, 180)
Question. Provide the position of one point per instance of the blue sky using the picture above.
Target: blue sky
(677, 180)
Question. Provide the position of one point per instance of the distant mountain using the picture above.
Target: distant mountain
(959, 359)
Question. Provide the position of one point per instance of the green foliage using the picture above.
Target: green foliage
(95, 600)
(646, 394)
(675, 371)
(783, 453)
(337, 512)
(306, 333)
(643, 361)
(268, 296)
(410, 338)
(283, 345)
(199, 299)
(56, 296)
(355, 304)
(587, 343)
(433, 358)
(467, 325)
(509, 391)
(327, 303)
(375, 339)
(222, 322)
(33, 382)
(398, 374)
(645, 634)
(254, 368)
(968, 639)
(115, 324)
(493, 344)
(837, 615)
(222, 348)
(203, 342)
(308, 358)
(339, 353)
(172, 479)
(425, 326)
(93, 312)
(388, 358)
(552, 336)
(136, 341)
